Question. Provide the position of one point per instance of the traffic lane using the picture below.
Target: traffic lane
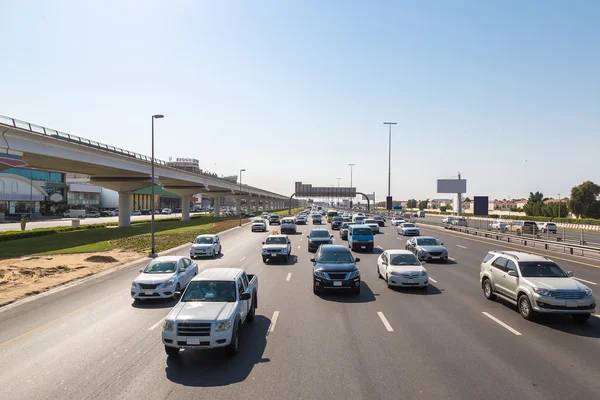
(458, 304)
(115, 328)
(26, 317)
(588, 271)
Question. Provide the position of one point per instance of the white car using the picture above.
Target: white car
(408, 229)
(205, 246)
(259, 224)
(166, 211)
(371, 223)
(402, 268)
(136, 212)
(546, 227)
(74, 213)
(162, 277)
(397, 221)
(497, 225)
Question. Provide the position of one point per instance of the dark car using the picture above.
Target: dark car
(344, 230)
(317, 237)
(177, 210)
(249, 215)
(105, 213)
(334, 268)
(274, 219)
(336, 222)
(145, 212)
(380, 220)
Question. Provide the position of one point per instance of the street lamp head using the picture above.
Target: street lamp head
(390, 123)
(158, 116)
(242, 170)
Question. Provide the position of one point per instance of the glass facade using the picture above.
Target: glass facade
(44, 176)
(83, 200)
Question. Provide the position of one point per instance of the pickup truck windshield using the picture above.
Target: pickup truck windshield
(532, 269)
(404, 259)
(362, 231)
(160, 267)
(428, 242)
(276, 240)
(335, 257)
(217, 291)
(204, 240)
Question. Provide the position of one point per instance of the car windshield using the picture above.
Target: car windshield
(335, 257)
(259, 221)
(338, 218)
(378, 217)
(287, 221)
(404, 259)
(319, 234)
(221, 291)
(160, 267)
(345, 225)
(408, 225)
(541, 269)
(204, 240)
(369, 221)
(362, 231)
(428, 242)
(274, 216)
(276, 240)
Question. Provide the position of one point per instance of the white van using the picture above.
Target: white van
(74, 214)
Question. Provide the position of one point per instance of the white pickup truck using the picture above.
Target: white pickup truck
(211, 311)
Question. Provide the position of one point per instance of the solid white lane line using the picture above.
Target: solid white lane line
(273, 321)
(583, 280)
(153, 327)
(385, 322)
(298, 246)
(432, 280)
(399, 238)
(451, 259)
(516, 332)
(462, 247)
(288, 277)
(243, 258)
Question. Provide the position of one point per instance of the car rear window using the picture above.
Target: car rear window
(488, 257)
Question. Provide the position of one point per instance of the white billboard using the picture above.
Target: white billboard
(452, 186)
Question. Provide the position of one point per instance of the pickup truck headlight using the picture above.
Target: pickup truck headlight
(542, 292)
(588, 292)
(169, 325)
(223, 326)
(320, 274)
(354, 274)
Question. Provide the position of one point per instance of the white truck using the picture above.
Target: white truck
(212, 311)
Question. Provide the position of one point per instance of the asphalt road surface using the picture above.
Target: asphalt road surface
(92, 342)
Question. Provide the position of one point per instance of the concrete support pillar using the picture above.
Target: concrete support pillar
(238, 206)
(185, 208)
(217, 206)
(124, 209)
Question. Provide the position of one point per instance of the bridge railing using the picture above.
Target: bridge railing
(41, 130)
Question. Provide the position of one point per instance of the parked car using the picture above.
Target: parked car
(145, 212)
(276, 247)
(274, 219)
(205, 246)
(335, 268)
(249, 215)
(136, 212)
(427, 248)
(402, 268)
(408, 229)
(259, 225)
(166, 211)
(522, 227)
(211, 311)
(177, 211)
(92, 214)
(162, 277)
(459, 221)
(535, 284)
(547, 227)
(317, 237)
(497, 225)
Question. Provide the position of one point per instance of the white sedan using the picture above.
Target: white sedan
(162, 277)
(205, 245)
(397, 221)
(408, 229)
(402, 268)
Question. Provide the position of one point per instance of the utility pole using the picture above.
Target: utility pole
(351, 167)
(389, 196)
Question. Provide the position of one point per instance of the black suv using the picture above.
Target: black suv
(274, 219)
(334, 268)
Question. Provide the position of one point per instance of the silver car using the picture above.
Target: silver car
(535, 284)
(427, 248)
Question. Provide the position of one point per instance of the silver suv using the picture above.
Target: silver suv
(535, 284)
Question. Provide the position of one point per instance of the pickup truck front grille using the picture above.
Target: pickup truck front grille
(569, 295)
(193, 329)
(149, 285)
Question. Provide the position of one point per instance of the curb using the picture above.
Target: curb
(85, 279)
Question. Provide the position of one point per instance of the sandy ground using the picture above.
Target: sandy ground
(25, 276)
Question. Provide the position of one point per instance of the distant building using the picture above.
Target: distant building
(24, 190)
(193, 165)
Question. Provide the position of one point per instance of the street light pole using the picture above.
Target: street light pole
(390, 158)
(558, 205)
(240, 210)
(351, 167)
(153, 250)
(338, 196)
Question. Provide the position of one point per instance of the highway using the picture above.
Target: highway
(92, 342)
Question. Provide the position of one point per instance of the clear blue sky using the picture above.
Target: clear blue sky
(506, 92)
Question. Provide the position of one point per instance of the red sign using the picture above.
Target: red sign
(12, 161)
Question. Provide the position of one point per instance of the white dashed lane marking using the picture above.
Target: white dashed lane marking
(462, 247)
(516, 332)
(289, 276)
(385, 322)
(273, 321)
